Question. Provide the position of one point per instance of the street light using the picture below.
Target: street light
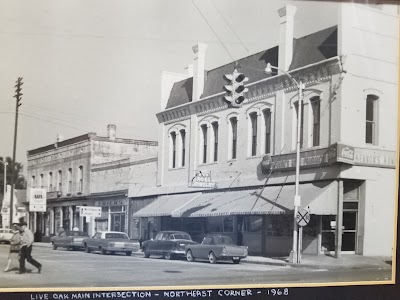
(294, 256)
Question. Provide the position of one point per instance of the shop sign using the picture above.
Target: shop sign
(37, 200)
(90, 211)
(202, 179)
(308, 159)
(52, 195)
(370, 157)
(111, 202)
(327, 156)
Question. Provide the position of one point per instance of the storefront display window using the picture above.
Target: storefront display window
(253, 224)
(220, 224)
(280, 225)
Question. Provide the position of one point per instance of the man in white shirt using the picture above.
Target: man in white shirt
(26, 249)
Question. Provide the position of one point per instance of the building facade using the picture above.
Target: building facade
(85, 171)
(231, 169)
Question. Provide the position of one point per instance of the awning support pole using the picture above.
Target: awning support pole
(339, 221)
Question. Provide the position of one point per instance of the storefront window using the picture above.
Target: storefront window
(311, 230)
(280, 225)
(253, 224)
(220, 224)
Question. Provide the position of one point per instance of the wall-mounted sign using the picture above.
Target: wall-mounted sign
(111, 202)
(202, 179)
(90, 211)
(327, 156)
(37, 200)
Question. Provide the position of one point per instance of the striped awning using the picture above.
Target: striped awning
(319, 197)
(165, 205)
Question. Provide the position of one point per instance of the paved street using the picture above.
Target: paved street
(63, 268)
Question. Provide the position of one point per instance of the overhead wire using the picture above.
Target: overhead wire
(212, 29)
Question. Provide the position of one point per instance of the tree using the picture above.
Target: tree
(19, 179)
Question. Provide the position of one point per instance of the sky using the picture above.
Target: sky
(87, 64)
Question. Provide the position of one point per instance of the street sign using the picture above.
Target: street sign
(303, 217)
(37, 200)
(90, 211)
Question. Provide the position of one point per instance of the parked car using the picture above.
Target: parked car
(71, 240)
(5, 235)
(110, 241)
(170, 244)
(216, 247)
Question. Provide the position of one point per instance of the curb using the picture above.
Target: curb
(273, 263)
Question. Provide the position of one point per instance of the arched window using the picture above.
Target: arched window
(253, 135)
(316, 121)
(183, 140)
(215, 137)
(233, 122)
(50, 181)
(204, 148)
(59, 181)
(69, 186)
(80, 176)
(173, 150)
(33, 181)
(301, 122)
(41, 181)
(267, 124)
(371, 120)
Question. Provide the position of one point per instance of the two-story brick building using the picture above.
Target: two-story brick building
(232, 169)
(87, 170)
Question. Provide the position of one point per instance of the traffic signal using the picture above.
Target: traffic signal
(18, 89)
(235, 88)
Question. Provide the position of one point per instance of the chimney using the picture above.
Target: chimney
(190, 70)
(111, 131)
(286, 15)
(198, 70)
(60, 137)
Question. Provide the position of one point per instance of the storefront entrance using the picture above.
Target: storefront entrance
(118, 222)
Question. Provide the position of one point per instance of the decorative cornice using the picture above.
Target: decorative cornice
(309, 76)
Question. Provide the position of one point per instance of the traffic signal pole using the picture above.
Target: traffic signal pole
(18, 97)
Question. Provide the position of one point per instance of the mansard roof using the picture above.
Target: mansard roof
(307, 50)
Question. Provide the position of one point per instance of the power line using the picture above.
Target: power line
(212, 29)
(229, 26)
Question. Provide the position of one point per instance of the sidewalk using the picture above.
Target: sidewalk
(308, 261)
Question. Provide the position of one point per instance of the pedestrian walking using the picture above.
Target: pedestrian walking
(26, 249)
(14, 246)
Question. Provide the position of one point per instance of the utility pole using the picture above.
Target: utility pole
(18, 96)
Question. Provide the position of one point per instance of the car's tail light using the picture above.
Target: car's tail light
(246, 251)
(224, 250)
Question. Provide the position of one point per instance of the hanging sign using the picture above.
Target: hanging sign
(37, 200)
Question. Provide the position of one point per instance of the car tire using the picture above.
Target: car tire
(145, 253)
(87, 250)
(103, 251)
(112, 252)
(168, 256)
(212, 258)
(54, 247)
(189, 256)
(128, 253)
(236, 261)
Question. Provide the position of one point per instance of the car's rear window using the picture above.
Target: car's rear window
(181, 236)
(116, 236)
(223, 240)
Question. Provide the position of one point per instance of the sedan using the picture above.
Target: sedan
(70, 240)
(216, 247)
(110, 241)
(169, 244)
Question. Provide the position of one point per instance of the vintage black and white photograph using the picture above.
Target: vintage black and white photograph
(197, 143)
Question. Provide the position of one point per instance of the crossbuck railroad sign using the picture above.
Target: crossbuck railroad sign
(303, 217)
